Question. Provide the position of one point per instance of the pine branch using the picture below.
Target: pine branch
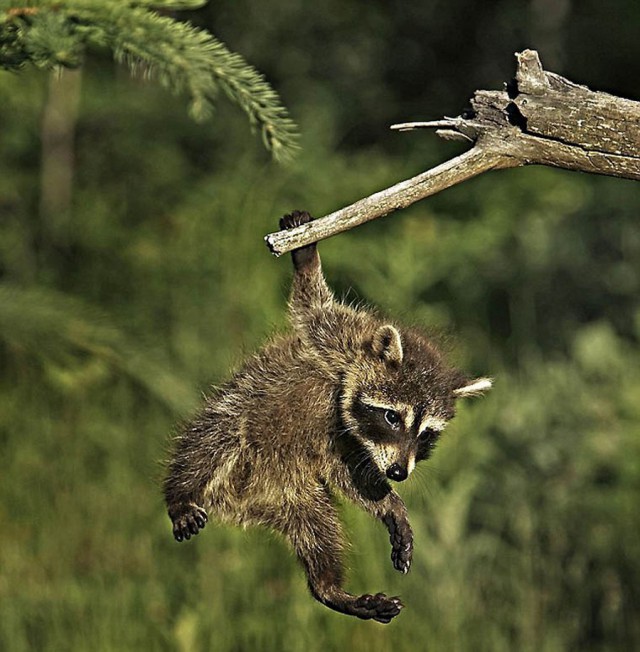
(167, 4)
(181, 57)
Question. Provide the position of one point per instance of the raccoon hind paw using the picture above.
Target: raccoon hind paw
(377, 607)
(304, 258)
(293, 219)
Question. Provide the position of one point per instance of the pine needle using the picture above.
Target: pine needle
(183, 58)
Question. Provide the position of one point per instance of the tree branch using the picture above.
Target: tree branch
(540, 118)
(461, 168)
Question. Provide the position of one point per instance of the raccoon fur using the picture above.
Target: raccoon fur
(342, 405)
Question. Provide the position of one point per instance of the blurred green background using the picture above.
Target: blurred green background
(133, 275)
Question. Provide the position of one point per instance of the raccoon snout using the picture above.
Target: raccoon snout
(397, 472)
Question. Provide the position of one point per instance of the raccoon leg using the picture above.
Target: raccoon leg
(310, 290)
(315, 532)
(391, 510)
(305, 257)
(401, 538)
(184, 486)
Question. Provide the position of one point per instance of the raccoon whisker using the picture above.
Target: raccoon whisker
(361, 459)
(364, 463)
(423, 477)
(420, 485)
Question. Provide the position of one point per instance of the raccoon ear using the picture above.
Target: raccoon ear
(474, 387)
(387, 344)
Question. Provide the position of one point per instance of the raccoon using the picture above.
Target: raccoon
(344, 404)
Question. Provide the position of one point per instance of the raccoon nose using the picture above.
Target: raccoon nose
(397, 473)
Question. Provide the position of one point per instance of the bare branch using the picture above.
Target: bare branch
(465, 166)
(540, 118)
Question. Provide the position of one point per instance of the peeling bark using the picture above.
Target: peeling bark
(540, 118)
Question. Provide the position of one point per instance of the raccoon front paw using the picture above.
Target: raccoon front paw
(293, 219)
(377, 607)
(188, 519)
(401, 538)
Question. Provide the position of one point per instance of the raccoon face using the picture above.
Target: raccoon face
(399, 399)
(396, 434)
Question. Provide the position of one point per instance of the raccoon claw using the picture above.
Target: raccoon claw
(401, 538)
(293, 219)
(377, 607)
(189, 520)
(303, 257)
(400, 560)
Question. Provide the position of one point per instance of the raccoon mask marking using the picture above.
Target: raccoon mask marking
(396, 404)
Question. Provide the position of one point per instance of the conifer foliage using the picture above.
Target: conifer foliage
(58, 33)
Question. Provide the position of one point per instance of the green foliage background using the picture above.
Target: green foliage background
(151, 280)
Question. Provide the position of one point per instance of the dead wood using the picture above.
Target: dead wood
(540, 118)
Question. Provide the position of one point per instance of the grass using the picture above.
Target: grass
(518, 545)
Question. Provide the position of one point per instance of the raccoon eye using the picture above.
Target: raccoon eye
(428, 433)
(392, 418)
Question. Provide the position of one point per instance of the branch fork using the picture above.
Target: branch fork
(540, 118)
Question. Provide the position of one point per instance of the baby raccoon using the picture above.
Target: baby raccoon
(343, 404)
